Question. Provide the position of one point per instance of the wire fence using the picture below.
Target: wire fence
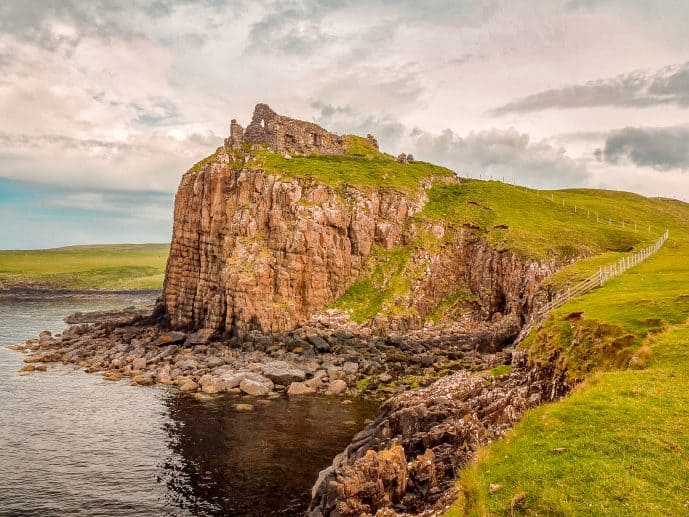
(598, 279)
(624, 223)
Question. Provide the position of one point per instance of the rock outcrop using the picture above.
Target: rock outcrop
(407, 459)
(253, 250)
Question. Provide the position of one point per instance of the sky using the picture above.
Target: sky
(104, 104)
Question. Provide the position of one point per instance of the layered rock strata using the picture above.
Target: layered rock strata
(252, 250)
(406, 461)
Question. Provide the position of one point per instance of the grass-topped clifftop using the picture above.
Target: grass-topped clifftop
(363, 167)
(105, 267)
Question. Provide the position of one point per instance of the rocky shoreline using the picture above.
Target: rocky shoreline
(406, 461)
(328, 355)
(472, 388)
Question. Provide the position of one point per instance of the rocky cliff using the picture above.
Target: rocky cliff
(263, 239)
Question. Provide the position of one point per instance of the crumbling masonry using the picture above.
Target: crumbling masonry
(284, 135)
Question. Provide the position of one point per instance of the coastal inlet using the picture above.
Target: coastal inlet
(77, 444)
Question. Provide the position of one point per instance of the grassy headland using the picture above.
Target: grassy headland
(106, 267)
(619, 444)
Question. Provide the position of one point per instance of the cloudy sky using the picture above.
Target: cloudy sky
(105, 103)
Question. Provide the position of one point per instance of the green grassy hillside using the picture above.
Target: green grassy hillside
(619, 444)
(112, 267)
(600, 225)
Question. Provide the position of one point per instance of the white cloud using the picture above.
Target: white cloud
(504, 154)
(114, 95)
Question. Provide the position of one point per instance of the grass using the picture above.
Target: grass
(377, 291)
(452, 306)
(363, 167)
(534, 225)
(619, 444)
(110, 267)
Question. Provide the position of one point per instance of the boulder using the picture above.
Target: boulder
(254, 388)
(350, 368)
(139, 364)
(144, 379)
(170, 338)
(112, 376)
(427, 359)
(337, 387)
(188, 385)
(210, 384)
(283, 373)
(320, 344)
(300, 388)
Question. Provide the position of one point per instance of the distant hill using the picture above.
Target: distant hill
(110, 267)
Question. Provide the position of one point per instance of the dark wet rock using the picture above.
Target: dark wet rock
(201, 336)
(320, 344)
(96, 316)
(427, 359)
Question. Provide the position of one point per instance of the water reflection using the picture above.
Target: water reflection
(73, 443)
(255, 463)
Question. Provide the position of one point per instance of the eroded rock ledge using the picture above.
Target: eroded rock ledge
(406, 461)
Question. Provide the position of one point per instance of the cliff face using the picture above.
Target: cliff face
(257, 249)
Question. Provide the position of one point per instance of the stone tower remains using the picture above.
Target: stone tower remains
(284, 135)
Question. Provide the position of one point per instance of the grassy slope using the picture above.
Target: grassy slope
(625, 429)
(535, 223)
(114, 267)
(529, 223)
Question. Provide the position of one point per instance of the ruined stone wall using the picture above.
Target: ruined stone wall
(284, 135)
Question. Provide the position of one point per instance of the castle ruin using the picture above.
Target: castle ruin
(284, 135)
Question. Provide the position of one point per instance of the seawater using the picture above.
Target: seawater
(72, 443)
